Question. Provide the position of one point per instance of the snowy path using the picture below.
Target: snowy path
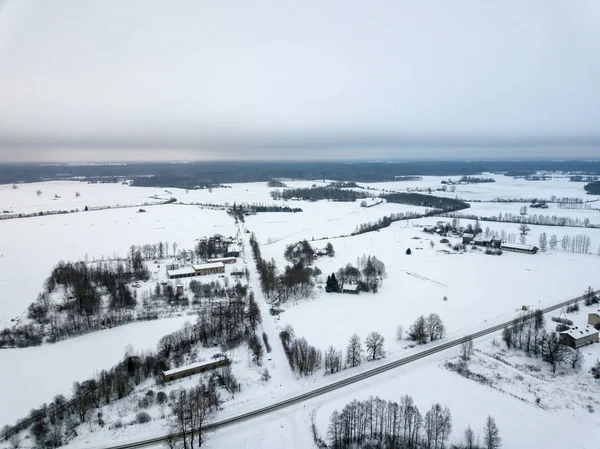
(282, 376)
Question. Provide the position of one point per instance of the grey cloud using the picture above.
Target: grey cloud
(191, 79)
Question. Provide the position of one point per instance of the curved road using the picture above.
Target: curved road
(347, 381)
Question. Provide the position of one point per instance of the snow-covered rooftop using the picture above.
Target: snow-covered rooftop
(182, 271)
(351, 287)
(191, 366)
(220, 259)
(578, 332)
(518, 246)
(206, 266)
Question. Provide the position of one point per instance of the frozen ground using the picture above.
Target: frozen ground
(521, 424)
(37, 244)
(47, 370)
(479, 287)
(481, 290)
(62, 195)
(319, 219)
(504, 187)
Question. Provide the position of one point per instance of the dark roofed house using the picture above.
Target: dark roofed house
(467, 237)
(578, 337)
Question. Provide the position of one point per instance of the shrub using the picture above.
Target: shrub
(266, 341)
(560, 327)
(562, 320)
(573, 308)
(143, 403)
(161, 397)
(117, 424)
(142, 418)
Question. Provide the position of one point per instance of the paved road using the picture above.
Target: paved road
(347, 381)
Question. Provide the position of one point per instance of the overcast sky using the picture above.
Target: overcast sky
(193, 79)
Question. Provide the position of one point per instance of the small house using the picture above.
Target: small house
(578, 337)
(350, 289)
(467, 238)
(179, 287)
(593, 319)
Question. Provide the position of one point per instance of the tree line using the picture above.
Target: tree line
(476, 180)
(92, 296)
(400, 425)
(318, 193)
(296, 281)
(535, 219)
(593, 188)
(442, 204)
(227, 324)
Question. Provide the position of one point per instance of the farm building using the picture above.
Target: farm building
(467, 237)
(181, 272)
(194, 368)
(223, 259)
(480, 240)
(578, 337)
(518, 248)
(209, 268)
(350, 288)
(593, 319)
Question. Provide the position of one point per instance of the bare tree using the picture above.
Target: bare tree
(466, 350)
(38, 192)
(399, 332)
(524, 229)
(354, 351)
(418, 331)
(491, 435)
(333, 360)
(15, 441)
(576, 359)
(469, 436)
(374, 344)
(434, 327)
(553, 242)
(554, 352)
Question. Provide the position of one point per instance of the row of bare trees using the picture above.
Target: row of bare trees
(528, 334)
(378, 423)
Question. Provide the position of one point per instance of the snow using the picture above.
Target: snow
(188, 367)
(47, 370)
(37, 244)
(578, 332)
(479, 287)
(517, 246)
(208, 266)
(185, 271)
(480, 290)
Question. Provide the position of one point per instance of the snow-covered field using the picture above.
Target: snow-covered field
(505, 187)
(480, 289)
(47, 370)
(37, 244)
